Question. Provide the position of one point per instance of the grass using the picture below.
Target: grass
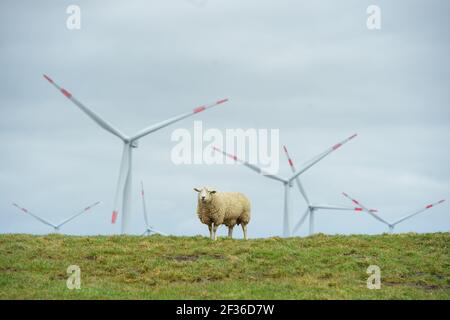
(413, 266)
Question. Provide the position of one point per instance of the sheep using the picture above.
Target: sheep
(228, 208)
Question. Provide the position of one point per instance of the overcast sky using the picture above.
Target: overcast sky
(311, 69)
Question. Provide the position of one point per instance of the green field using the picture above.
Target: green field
(413, 266)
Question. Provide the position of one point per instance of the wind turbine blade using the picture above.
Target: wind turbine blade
(366, 210)
(35, 216)
(338, 207)
(361, 209)
(251, 166)
(167, 122)
(94, 116)
(157, 231)
(297, 179)
(144, 205)
(274, 177)
(123, 172)
(302, 219)
(77, 214)
(417, 212)
(321, 156)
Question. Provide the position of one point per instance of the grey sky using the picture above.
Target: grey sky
(310, 68)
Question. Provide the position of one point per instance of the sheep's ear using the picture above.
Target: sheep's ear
(213, 191)
(197, 189)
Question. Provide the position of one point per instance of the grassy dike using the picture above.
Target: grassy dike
(413, 266)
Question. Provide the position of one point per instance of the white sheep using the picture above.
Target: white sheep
(228, 208)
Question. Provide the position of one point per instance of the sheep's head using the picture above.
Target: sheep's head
(205, 195)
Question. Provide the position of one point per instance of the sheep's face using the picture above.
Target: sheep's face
(204, 194)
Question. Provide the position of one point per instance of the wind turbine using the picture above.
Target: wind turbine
(123, 189)
(287, 182)
(313, 208)
(56, 227)
(148, 229)
(392, 225)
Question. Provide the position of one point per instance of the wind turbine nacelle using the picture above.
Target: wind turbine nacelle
(134, 144)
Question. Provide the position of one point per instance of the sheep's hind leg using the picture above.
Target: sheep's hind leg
(230, 232)
(244, 229)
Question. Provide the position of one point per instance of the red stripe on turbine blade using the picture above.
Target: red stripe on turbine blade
(48, 78)
(114, 217)
(199, 109)
(358, 209)
(428, 206)
(66, 93)
(337, 146)
(232, 156)
(222, 101)
(291, 163)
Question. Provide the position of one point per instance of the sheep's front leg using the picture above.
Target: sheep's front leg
(214, 227)
(244, 229)
(230, 232)
(210, 231)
